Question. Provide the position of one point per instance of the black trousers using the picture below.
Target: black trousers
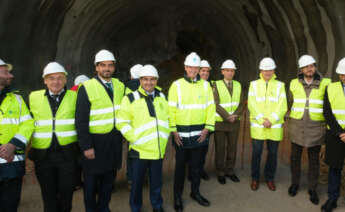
(101, 185)
(56, 177)
(10, 191)
(313, 164)
(192, 156)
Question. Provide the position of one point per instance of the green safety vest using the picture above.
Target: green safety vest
(103, 110)
(15, 122)
(267, 100)
(191, 107)
(315, 100)
(146, 134)
(337, 101)
(45, 124)
(228, 102)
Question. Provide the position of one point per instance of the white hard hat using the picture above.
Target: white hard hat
(9, 66)
(135, 71)
(192, 60)
(267, 64)
(341, 67)
(53, 67)
(305, 60)
(205, 64)
(228, 64)
(104, 55)
(80, 79)
(148, 71)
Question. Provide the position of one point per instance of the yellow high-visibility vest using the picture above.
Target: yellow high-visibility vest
(228, 102)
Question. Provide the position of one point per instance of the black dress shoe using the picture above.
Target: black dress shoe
(221, 180)
(204, 175)
(329, 206)
(158, 210)
(293, 189)
(200, 199)
(314, 198)
(178, 204)
(233, 177)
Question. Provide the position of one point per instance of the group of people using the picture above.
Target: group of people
(92, 120)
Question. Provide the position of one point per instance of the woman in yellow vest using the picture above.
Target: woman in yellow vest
(334, 112)
(16, 127)
(267, 106)
(228, 97)
(307, 126)
(143, 121)
(54, 147)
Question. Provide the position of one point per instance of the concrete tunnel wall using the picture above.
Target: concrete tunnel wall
(34, 32)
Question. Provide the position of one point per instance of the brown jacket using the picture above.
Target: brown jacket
(305, 132)
(226, 125)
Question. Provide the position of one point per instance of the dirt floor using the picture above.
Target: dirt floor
(229, 197)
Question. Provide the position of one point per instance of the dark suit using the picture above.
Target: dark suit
(55, 169)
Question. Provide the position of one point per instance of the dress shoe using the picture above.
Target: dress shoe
(254, 185)
(200, 199)
(221, 180)
(158, 210)
(233, 177)
(329, 206)
(178, 204)
(293, 189)
(314, 198)
(271, 186)
(204, 175)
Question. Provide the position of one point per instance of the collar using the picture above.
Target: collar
(226, 81)
(49, 93)
(102, 80)
(190, 80)
(155, 92)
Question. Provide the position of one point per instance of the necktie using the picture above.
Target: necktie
(56, 98)
(109, 86)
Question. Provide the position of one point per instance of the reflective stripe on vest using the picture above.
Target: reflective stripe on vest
(228, 102)
(337, 101)
(315, 100)
(103, 110)
(190, 106)
(45, 124)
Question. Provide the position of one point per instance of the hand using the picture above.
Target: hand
(267, 123)
(90, 154)
(232, 118)
(7, 151)
(177, 139)
(342, 137)
(203, 135)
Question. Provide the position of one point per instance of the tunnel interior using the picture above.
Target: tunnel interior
(163, 32)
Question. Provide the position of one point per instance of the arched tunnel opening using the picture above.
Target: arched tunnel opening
(163, 32)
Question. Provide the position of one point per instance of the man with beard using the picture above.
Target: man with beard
(307, 126)
(16, 127)
(98, 102)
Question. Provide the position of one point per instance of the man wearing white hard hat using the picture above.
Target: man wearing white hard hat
(54, 146)
(146, 128)
(98, 103)
(204, 74)
(78, 80)
(307, 126)
(228, 97)
(334, 112)
(267, 107)
(130, 86)
(191, 118)
(16, 127)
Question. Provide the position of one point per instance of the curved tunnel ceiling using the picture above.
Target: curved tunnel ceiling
(162, 32)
